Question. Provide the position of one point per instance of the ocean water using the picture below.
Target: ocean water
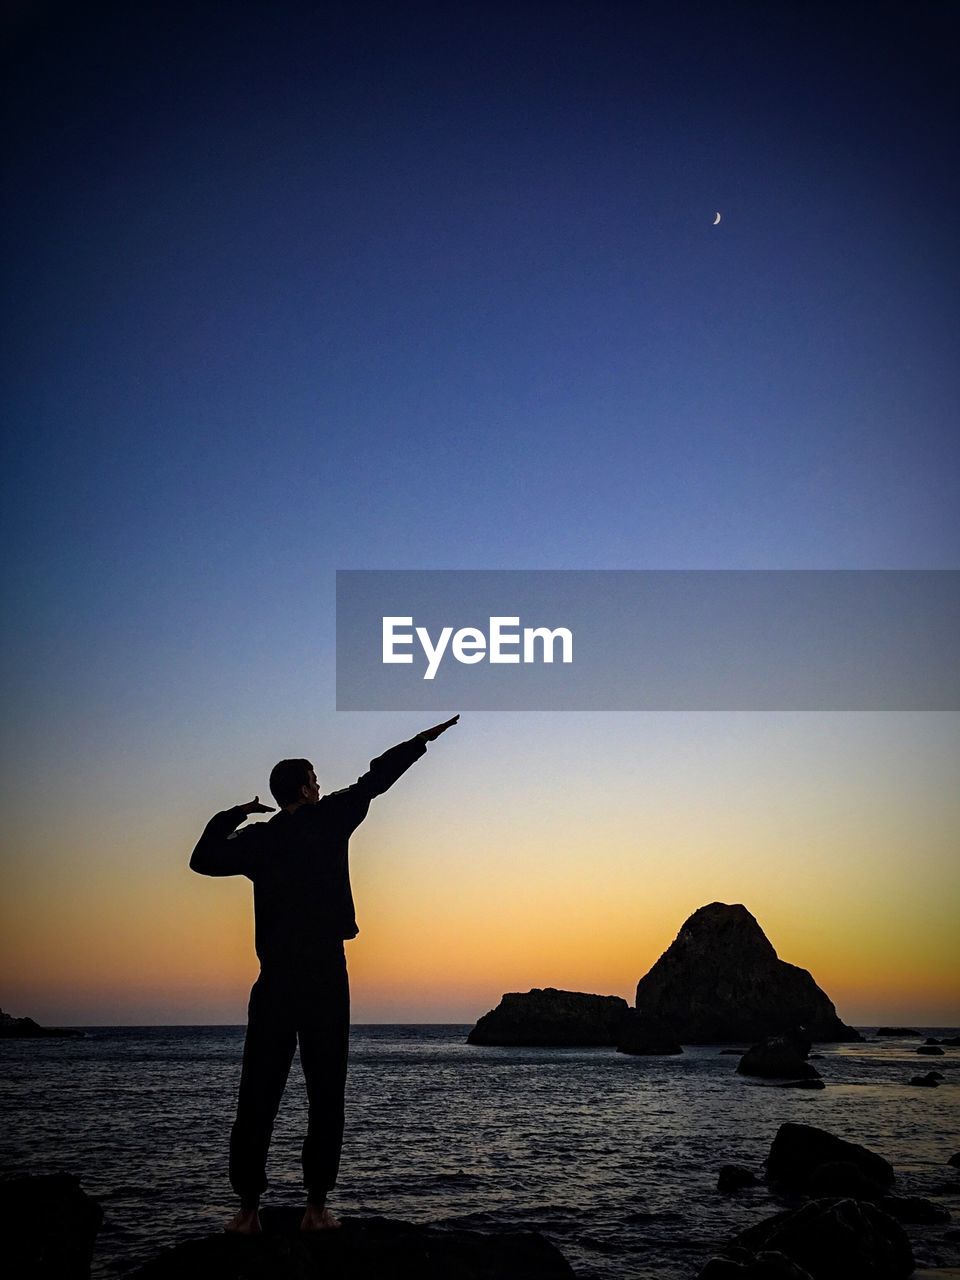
(613, 1158)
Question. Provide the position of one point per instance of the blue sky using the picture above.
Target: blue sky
(303, 287)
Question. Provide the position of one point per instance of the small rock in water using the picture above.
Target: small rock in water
(914, 1209)
(777, 1058)
(734, 1176)
(928, 1081)
(932, 1050)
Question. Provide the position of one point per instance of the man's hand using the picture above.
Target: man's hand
(254, 806)
(428, 735)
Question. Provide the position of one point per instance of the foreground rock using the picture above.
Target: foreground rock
(721, 980)
(835, 1240)
(362, 1249)
(799, 1150)
(550, 1017)
(48, 1226)
(641, 1036)
(25, 1028)
(777, 1058)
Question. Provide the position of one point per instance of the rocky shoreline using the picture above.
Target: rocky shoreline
(838, 1216)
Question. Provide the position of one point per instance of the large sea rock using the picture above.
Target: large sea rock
(721, 980)
(550, 1017)
(362, 1249)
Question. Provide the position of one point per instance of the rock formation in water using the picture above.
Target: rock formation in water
(363, 1249)
(721, 980)
(25, 1028)
(551, 1018)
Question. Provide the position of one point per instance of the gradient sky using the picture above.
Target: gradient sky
(295, 288)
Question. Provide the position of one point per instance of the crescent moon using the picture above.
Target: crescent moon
(716, 220)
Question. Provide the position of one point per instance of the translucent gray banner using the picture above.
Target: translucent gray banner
(648, 640)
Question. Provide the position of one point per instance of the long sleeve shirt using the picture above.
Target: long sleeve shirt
(298, 863)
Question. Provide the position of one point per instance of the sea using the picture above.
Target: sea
(612, 1158)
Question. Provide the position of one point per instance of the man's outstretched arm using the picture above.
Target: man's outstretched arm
(385, 770)
(221, 853)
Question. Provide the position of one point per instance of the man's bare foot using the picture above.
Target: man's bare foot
(245, 1223)
(317, 1219)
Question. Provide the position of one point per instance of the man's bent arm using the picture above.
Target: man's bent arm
(221, 853)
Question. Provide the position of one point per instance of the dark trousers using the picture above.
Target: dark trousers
(311, 1006)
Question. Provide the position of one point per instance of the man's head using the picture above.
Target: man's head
(294, 782)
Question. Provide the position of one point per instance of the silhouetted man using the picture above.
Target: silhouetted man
(304, 911)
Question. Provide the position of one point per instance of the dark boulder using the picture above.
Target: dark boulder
(550, 1017)
(741, 1264)
(954, 1160)
(777, 1058)
(928, 1081)
(845, 1179)
(26, 1029)
(931, 1050)
(931, 1040)
(640, 1036)
(49, 1226)
(914, 1209)
(952, 1040)
(897, 1031)
(836, 1240)
(363, 1249)
(798, 1150)
(721, 980)
(732, 1177)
